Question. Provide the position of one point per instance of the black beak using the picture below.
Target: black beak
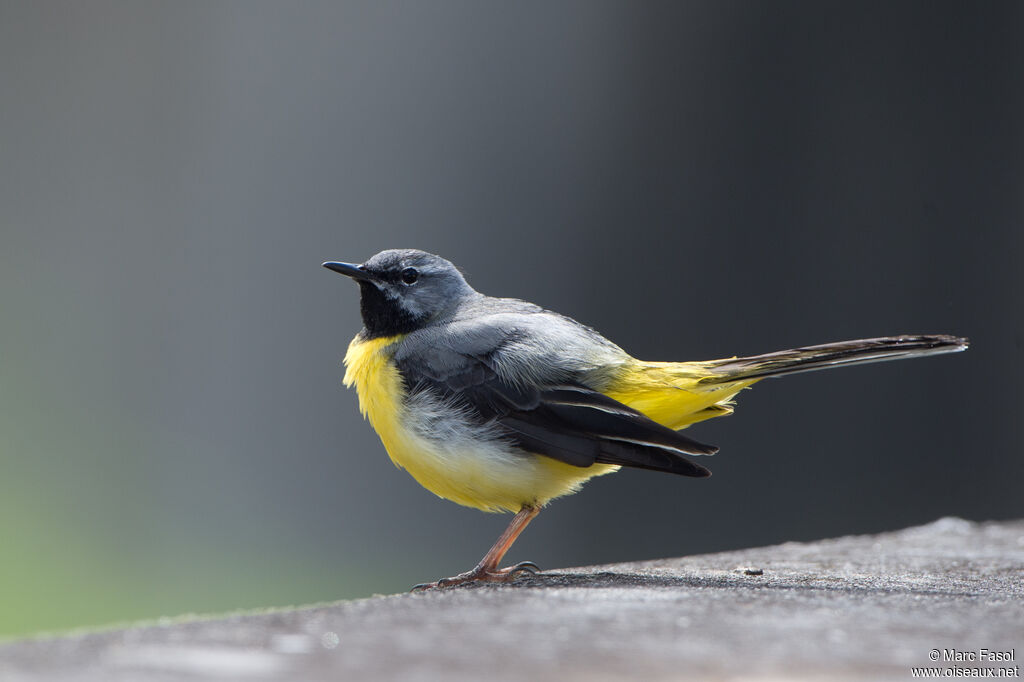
(356, 272)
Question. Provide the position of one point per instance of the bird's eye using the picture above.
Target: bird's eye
(410, 275)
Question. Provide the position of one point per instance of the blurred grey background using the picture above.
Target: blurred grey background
(695, 180)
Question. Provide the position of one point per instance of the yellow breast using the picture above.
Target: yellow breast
(368, 367)
(476, 472)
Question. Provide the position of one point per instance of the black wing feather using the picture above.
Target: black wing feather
(568, 422)
(571, 448)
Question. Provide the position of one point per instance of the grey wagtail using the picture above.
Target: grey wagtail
(499, 404)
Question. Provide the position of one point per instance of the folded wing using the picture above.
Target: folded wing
(566, 421)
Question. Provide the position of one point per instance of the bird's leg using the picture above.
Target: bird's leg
(488, 566)
(487, 570)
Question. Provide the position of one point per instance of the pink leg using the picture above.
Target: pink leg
(487, 570)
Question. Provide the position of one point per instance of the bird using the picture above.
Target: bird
(502, 405)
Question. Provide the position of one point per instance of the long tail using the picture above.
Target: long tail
(677, 394)
(828, 355)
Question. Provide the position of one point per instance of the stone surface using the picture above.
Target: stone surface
(864, 607)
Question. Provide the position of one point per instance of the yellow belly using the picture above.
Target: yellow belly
(485, 474)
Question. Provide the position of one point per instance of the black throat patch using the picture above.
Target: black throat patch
(383, 316)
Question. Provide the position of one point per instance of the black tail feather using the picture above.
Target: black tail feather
(839, 354)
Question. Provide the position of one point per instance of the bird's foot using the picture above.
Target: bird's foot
(481, 574)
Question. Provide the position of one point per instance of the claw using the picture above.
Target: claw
(482, 575)
(525, 567)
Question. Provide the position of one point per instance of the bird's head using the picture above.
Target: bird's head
(404, 289)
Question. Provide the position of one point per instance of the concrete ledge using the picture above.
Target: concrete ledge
(864, 607)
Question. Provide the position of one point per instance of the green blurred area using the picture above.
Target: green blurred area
(55, 579)
(91, 529)
(81, 547)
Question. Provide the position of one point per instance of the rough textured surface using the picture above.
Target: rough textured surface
(866, 607)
